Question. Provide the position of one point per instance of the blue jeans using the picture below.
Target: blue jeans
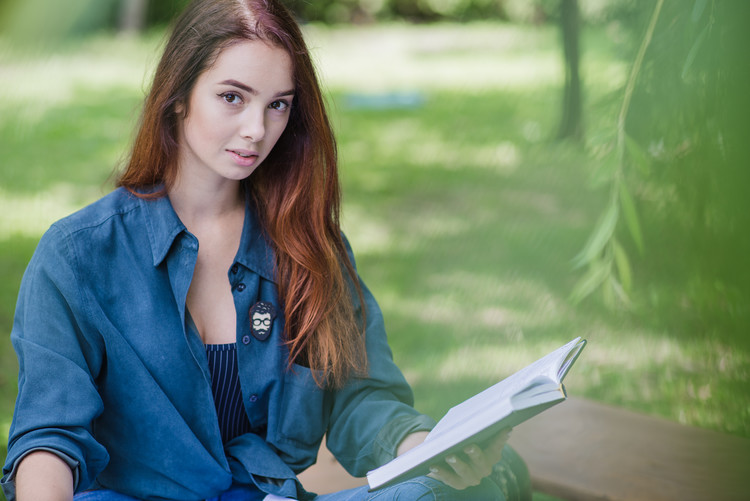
(509, 482)
(418, 489)
(236, 493)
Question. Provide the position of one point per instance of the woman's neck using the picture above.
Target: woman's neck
(196, 204)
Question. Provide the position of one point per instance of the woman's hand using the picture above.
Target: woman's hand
(462, 471)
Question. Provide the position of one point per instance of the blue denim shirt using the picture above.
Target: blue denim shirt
(112, 381)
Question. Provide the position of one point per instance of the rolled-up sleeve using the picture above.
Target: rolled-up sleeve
(372, 415)
(57, 396)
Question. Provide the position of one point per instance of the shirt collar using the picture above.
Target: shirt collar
(164, 226)
(255, 252)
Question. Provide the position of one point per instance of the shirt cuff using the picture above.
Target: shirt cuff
(72, 463)
(394, 432)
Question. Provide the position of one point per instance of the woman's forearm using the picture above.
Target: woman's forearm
(411, 440)
(43, 476)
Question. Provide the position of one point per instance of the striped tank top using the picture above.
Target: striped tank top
(225, 385)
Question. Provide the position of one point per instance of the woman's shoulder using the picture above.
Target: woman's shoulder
(93, 230)
(114, 204)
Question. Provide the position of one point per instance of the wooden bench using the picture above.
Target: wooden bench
(584, 451)
(327, 475)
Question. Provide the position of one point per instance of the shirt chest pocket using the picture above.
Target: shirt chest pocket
(305, 409)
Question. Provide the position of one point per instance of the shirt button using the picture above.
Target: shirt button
(235, 269)
(240, 287)
(253, 398)
(245, 339)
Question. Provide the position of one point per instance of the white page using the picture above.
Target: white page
(548, 365)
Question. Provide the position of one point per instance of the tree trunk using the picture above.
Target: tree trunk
(133, 15)
(571, 125)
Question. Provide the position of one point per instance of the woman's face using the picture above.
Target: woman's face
(236, 112)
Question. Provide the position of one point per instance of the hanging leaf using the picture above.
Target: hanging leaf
(694, 52)
(605, 169)
(603, 231)
(596, 275)
(638, 156)
(630, 214)
(620, 292)
(622, 263)
(608, 293)
(698, 8)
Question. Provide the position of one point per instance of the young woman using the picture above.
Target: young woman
(194, 334)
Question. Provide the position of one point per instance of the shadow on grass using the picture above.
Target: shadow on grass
(465, 225)
(14, 255)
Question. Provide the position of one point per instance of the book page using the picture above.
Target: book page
(548, 366)
(570, 359)
(508, 403)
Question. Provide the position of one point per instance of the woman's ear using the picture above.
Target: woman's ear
(179, 108)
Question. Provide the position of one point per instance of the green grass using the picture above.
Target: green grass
(463, 214)
(466, 240)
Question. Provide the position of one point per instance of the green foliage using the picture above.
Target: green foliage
(161, 12)
(343, 11)
(602, 247)
(30, 20)
(679, 170)
(47, 22)
(519, 11)
(600, 237)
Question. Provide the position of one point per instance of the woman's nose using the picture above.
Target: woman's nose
(253, 125)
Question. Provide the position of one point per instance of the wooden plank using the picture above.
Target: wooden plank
(327, 475)
(581, 451)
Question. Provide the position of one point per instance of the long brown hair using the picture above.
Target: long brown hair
(295, 191)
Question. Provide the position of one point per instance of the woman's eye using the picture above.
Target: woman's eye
(231, 97)
(279, 105)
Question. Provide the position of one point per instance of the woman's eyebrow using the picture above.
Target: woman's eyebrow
(252, 91)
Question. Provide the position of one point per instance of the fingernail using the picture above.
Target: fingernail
(451, 459)
(471, 450)
(434, 469)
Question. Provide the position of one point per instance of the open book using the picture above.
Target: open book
(511, 401)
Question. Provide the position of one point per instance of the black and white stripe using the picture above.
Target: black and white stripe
(225, 384)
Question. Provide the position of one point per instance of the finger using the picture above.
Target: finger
(498, 443)
(481, 462)
(494, 454)
(448, 477)
(464, 470)
(491, 454)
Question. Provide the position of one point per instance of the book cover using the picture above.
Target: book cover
(506, 404)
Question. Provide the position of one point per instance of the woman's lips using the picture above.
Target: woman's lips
(244, 157)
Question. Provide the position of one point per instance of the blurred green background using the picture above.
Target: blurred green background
(496, 212)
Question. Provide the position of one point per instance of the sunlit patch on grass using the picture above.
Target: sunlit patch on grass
(370, 235)
(488, 361)
(636, 352)
(52, 79)
(487, 56)
(407, 141)
(31, 214)
(502, 157)
(496, 301)
(433, 226)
